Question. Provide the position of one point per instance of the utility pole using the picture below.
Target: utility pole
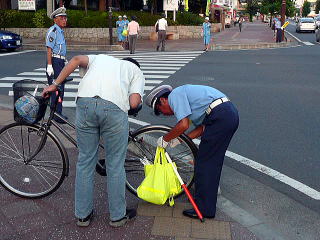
(283, 16)
(50, 7)
(110, 24)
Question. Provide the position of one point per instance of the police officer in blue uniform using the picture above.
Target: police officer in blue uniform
(56, 52)
(215, 119)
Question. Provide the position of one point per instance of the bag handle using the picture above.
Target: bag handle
(160, 157)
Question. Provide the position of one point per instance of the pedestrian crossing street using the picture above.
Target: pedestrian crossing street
(156, 67)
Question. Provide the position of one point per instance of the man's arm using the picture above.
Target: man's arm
(177, 130)
(134, 100)
(197, 132)
(49, 56)
(75, 62)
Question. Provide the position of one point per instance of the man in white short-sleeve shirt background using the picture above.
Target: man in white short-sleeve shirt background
(162, 28)
(108, 89)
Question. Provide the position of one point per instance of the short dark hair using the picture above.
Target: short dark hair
(131, 60)
(134, 18)
(165, 95)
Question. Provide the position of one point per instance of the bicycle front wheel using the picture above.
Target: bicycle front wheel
(142, 146)
(39, 177)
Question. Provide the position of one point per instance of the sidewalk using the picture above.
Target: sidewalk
(254, 35)
(52, 218)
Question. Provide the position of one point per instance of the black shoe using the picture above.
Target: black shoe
(130, 213)
(84, 222)
(157, 49)
(191, 213)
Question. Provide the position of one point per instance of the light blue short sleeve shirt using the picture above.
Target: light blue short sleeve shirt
(56, 41)
(192, 101)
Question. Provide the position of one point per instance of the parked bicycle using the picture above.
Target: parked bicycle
(34, 161)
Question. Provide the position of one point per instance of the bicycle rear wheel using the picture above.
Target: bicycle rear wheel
(38, 178)
(143, 144)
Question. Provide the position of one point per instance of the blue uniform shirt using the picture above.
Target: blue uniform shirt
(120, 25)
(125, 23)
(206, 28)
(192, 101)
(55, 40)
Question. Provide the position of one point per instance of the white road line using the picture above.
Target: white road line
(308, 43)
(162, 64)
(166, 72)
(156, 55)
(156, 76)
(274, 174)
(312, 193)
(43, 74)
(14, 53)
(293, 36)
(22, 78)
(160, 68)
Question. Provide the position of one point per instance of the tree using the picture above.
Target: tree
(102, 5)
(306, 8)
(317, 6)
(252, 8)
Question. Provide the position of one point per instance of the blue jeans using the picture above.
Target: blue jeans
(97, 118)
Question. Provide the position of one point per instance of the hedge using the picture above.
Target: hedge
(94, 19)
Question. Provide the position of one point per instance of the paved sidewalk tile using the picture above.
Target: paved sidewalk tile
(148, 209)
(20, 208)
(167, 226)
(211, 229)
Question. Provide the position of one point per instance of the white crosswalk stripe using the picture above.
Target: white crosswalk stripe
(156, 67)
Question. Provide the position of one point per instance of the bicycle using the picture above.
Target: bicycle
(34, 161)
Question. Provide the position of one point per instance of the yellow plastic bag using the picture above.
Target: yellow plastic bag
(160, 183)
(125, 32)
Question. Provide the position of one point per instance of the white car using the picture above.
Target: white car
(306, 24)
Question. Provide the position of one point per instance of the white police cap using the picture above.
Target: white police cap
(58, 12)
(124, 16)
(206, 18)
(120, 16)
(155, 95)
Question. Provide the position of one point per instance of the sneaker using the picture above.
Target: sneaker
(84, 222)
(130, 213)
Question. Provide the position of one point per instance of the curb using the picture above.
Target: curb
(77, 47)
(252, 46)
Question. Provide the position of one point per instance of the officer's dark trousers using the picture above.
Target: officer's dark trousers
(220, 125)
(58, 65)
(279, 35)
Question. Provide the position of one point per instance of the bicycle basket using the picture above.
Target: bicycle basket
(29, 105)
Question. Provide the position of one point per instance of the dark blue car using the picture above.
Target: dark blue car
(9, 40)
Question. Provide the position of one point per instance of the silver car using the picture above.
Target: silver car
(306, 24)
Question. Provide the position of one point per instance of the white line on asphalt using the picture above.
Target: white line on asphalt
(167, 72)
(14, 53)
(160, 68)
(42, 74)
(261, 168)
(293, 36)
(308, 43)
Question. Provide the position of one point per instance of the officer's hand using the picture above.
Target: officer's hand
(50, 70)
(162, 143)
(174, 142)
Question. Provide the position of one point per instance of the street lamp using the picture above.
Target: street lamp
(110, 25)
(283, 16)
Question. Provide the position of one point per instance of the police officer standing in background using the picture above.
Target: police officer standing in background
(162, 27)
(215, 119)
(56, 52)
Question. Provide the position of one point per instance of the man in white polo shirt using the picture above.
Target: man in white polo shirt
(162, 28)
(109, 88)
